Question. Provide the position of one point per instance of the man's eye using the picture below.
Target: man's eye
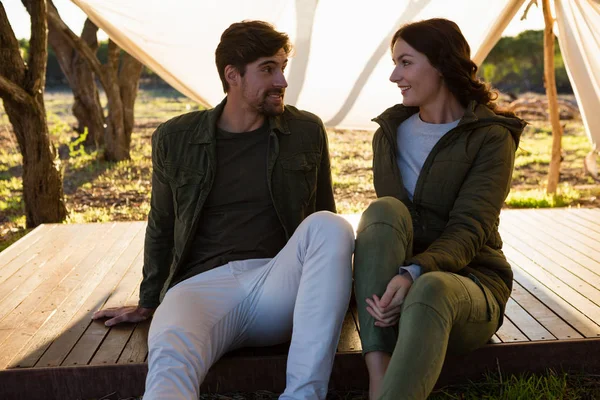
(267, 69)
(405, 63)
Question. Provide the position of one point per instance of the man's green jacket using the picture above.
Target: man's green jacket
(184, 162)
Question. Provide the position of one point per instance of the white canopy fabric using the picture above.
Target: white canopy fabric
(342, 62)
(579, 38)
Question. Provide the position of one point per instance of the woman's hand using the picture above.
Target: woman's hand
(386, 310)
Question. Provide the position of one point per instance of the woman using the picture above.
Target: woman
(430, 275)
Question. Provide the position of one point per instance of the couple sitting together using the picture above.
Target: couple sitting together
(243, 246)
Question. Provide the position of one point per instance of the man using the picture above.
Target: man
(234, 231)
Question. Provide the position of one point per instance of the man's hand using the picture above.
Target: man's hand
(386, 310)
(124, 314)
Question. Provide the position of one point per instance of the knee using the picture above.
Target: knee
(432, 289)
(387, 210)
(333, 228)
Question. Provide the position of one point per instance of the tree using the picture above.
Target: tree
(86, 106)
(550, 83)
(119, 78)
(22, 93)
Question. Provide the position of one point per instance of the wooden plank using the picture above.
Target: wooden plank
(349, 339)
(21, 245)
(545, 316)
(575, 355)
(251, 374)
(571, 315)
(575, 217)
(563, 234)
(508, 332)
(93, 332)
(558, 251)
(20, 268)
(68, 282)
(570, 273)
(526, 323)
(591, 215)
(21, 323)
(117, 337)
(559, 221)
(495, 339)
(99, 262)
(580, 313)
(555, 250)
(136, 349)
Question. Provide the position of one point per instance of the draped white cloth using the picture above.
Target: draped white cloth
(579, 39)
(342, 61)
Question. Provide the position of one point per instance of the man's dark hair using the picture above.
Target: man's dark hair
(245, 42)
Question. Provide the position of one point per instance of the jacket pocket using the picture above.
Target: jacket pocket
(300, 174)
(483, 306)
(186, 185)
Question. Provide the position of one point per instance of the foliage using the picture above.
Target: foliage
(550, 385)
(55, 77)
(97, 191)
(538, 198)
(516, 64)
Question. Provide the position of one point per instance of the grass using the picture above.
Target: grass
(97, 191)
(538, 198)
(550, 385)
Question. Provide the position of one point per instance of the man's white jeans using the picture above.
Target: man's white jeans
(302, 293)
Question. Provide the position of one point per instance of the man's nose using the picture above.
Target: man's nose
(280, 81)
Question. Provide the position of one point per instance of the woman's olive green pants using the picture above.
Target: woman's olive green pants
(442, 312)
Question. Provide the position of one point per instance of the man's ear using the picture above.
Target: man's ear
(232, 76)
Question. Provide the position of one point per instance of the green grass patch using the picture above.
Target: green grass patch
(538, 198)
(548, 386)
(11, 195)
(15, 235)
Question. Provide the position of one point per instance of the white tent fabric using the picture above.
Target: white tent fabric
(579, 38)
(342, 63)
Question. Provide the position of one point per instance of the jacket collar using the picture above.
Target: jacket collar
(206, 130)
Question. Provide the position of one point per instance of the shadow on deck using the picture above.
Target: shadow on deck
(53, 279)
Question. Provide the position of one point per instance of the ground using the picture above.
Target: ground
(97, 191)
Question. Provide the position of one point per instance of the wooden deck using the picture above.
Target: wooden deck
(53, 279)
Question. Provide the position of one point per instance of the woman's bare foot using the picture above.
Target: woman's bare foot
(377, 363)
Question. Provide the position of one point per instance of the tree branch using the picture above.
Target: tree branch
(531, 2)
(89, 34)
(57, 23)
(38, 45)
(13, 91)
(12, 65)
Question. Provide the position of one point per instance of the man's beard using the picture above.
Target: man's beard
(267, 108)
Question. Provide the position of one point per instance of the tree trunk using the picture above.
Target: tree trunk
(22, 92)
(550, 83)
(116, 143)
(122, 79)
(86, 107)
(42, 180)
(121, 89)
(129, 79)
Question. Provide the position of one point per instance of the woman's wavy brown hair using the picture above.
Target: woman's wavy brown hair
(448, 51)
